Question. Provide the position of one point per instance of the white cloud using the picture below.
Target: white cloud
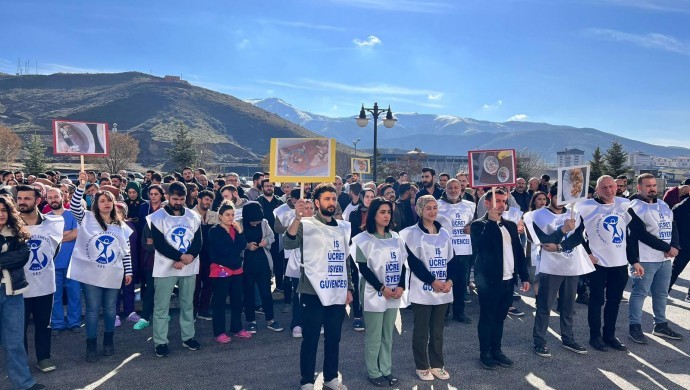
(311, 26)
(437, 96)
(371, 41)
(423, 6)
(517, 117)
(648, 41)
(243, 44)
(379, 89)
(494, 106)
(674, 6)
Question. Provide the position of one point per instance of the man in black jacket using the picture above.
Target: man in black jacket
(496, 270)
(681, 215)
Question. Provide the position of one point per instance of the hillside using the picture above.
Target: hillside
(452, 135)
(232, 130)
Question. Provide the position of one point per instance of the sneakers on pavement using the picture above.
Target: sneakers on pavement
(222, 339)
(133, 317)
(487, 361)
(662, 330)
(141, 324)
(307, 386)
(502, 359)
(358, 325)
(514, 311)
(75, 329)
(45, 365)
(463, 319)
(616, 344)
(334, 384)
(598, 344)
(425, 375)
(575, 347)
(243, 334)
(191, 344)
(542, 351)
(274, 326)
(297, 332)
(635, 334)
(162, 350)
(260, 311)
(440, 373)
(251, 327)
(205, 315)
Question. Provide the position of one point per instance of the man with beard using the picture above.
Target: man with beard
(269, 203)
(443, 180)
(234, 179)
(177, 241)
(563, 260)
(456, 214)
(205, 183)
(324, 284)
(658, 220)
(46, 235)
(354, 190)
(403, 212)
(255, 191)
(622, 187)
(230, 192)
(520, 194)
(62, 260)
(188, 177)
(463, 179)
(429, 186)
(204, 287)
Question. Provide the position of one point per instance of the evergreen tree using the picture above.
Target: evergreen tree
(597, 165)
(182, 153)
(35, 161)
(616, 159)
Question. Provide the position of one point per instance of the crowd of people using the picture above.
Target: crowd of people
(376, 247)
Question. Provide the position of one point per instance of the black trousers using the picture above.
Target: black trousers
(204, 288)
(147, 296)
(427, 335)
(461, 269)
(494, 302)
(356, 303)
(315, 315)
(232, 285)
(278, 264)
(262, 281)
(679, 264)
(41, 308)
(606, 285)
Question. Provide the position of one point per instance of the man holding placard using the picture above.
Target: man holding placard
(324, 284)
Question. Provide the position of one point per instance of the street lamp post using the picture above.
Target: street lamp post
(389, 122)
(355, 142)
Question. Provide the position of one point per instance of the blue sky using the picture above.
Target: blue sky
(620, 66)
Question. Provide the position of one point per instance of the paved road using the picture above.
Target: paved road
(271, 360)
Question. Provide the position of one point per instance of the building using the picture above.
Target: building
(639, 159)
(414, 160)
(570, 157)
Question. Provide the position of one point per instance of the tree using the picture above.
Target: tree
(616, 159)
(124, 150)
(410, 163)
(183, 153)
(597, 165)
(35, 161)
(9, 147)
(530, 164)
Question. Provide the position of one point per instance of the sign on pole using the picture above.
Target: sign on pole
(360, 165)
(492, 168)
(77, 138)
(572, 184)
(302, 160)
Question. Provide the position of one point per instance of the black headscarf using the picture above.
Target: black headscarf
(252, 212)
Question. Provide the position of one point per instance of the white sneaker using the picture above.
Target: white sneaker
(425, 375)
(307, 386)
(334, 384)
(297, 332)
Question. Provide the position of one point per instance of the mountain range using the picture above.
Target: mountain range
(453, 135)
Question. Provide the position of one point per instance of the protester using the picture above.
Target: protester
(127, 295)
(255, 191)
(403, 212)
(428, 184)
(204, 287)
(521, 195)
(269, 203)
(358, 219)
(354, 190)
(100, 258)
(381, 259)
(681, 216)
(677, 194)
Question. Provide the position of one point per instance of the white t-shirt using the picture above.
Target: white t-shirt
(508, 259)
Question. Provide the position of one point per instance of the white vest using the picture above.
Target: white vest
(535, 244)
(348, 210)
(97, 256)
(435, 251)
(385, 258)
(606, 227)
(326, 249)
(567, 263)
(454, 218)
(285, 215)
(658, 219)
(513, 214)
(179, 233)
(43, 244)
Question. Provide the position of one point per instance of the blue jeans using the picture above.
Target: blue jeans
(12, 328)
(73, 302)
(97, 298)
(656, 279)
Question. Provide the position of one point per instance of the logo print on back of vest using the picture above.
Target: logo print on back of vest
(103, 244)
(611, 225)
(177, 237)
(36, 263)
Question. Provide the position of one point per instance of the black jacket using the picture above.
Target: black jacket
(522, 198)
(225, 251)
(14, 259)
(681, 216)
(487, 244)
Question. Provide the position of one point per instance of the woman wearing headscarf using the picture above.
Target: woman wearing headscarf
(133, 201)
(358, 220)
(429, 254)
(257, 265)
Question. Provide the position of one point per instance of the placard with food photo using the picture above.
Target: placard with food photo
(492, 168)
(302, 160)
(572, 184)
(77, 138)
(360, 165)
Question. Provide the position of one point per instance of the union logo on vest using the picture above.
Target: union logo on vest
(611, 225)
(178, 238)
(39, 259)
(103, 244)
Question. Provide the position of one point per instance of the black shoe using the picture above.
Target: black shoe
(37, 386)
(501, 359)
(598, 344)
(91, 350)
(392, 381)
(191, 344)
(75, 329)
(513, 311)
(162, 350)
(542, 351)
(56, 332)
(487, 361)
(635, 334)
(583, 299)
(575, 347)
(205, 315)
(462, 318)
(662, 330)
(108, 346)
(379, 382)
(615, 344)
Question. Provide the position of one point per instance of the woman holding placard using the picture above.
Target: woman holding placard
(429, 254)
(380, 255)
(101, 256)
